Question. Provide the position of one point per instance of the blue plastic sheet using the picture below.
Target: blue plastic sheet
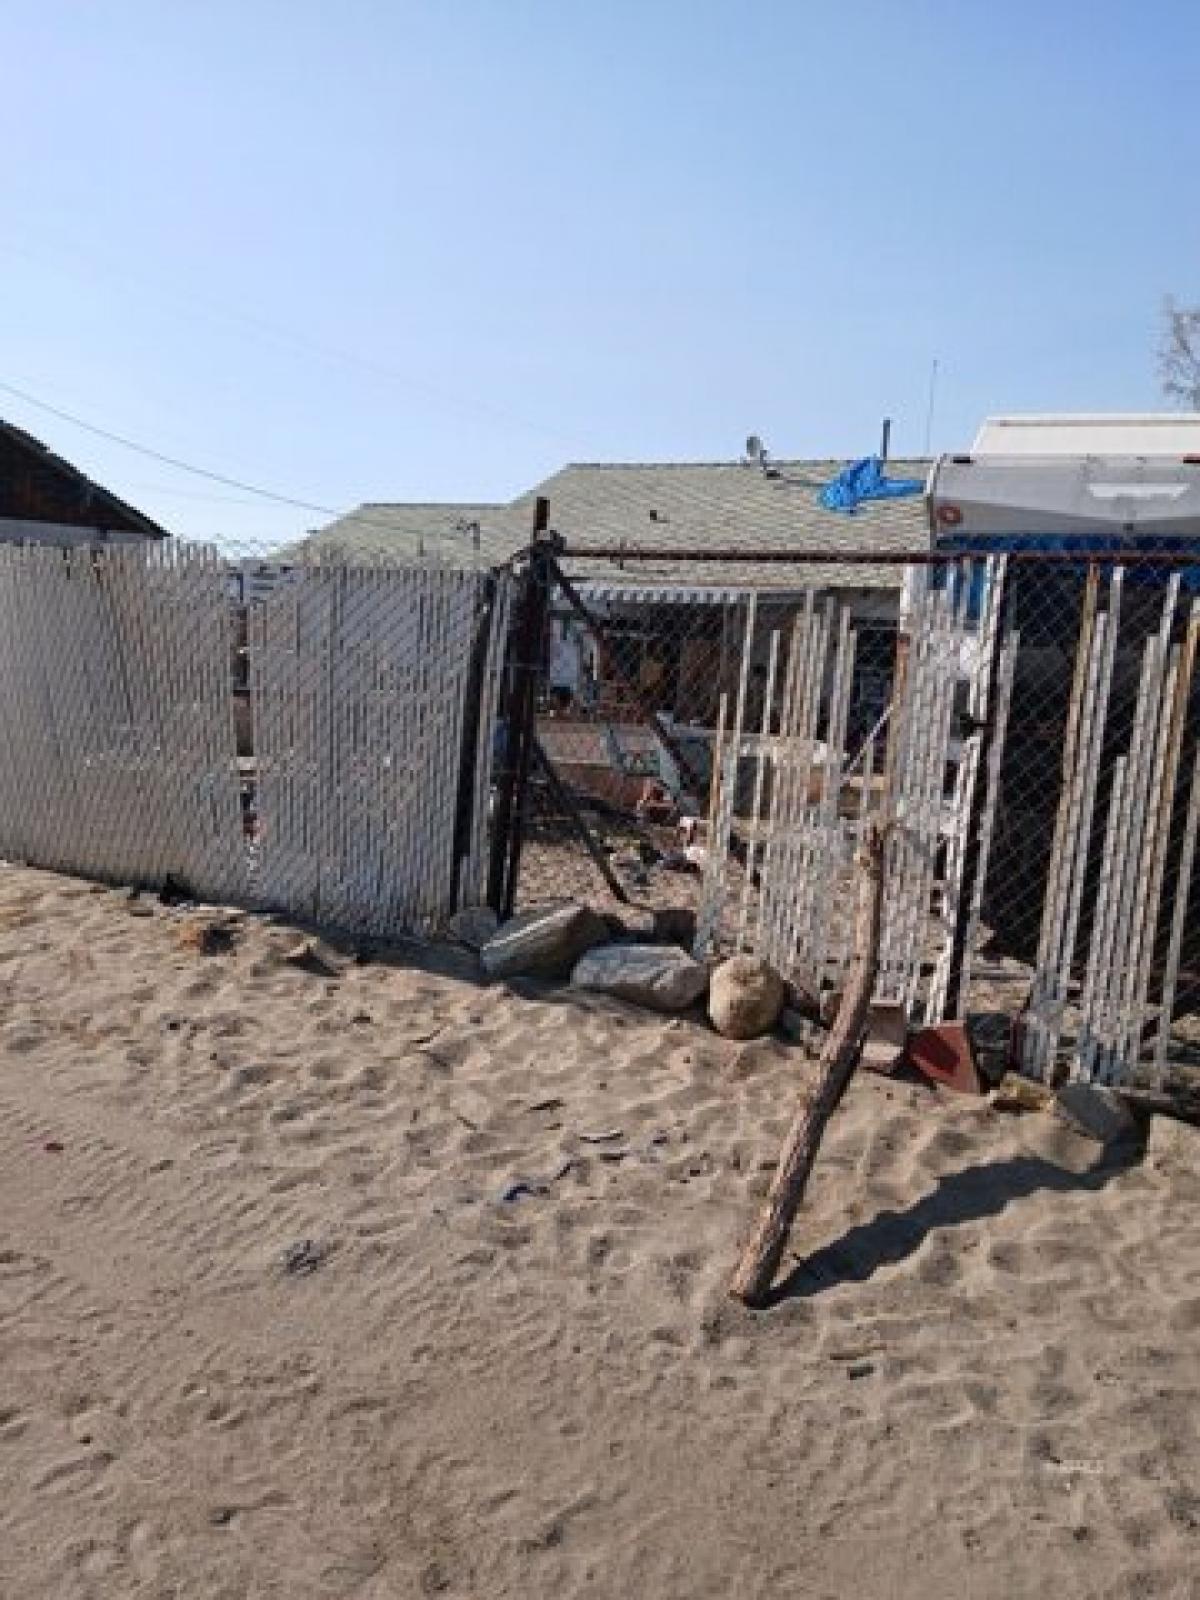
(866, 480)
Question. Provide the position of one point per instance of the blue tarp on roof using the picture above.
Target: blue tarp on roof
(865, 480)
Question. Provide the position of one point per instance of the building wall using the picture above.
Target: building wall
(14, 530)
(38, 488)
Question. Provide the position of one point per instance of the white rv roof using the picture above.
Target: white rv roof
(1117, 434)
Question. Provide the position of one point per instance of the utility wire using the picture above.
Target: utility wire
(186, 466)
(159, 455)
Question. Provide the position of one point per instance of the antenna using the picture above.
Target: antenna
(933, 373)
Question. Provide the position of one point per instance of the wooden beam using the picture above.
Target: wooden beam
(755, 1272)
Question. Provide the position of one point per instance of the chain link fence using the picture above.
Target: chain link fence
(701, 743)
(1025, 724)
(312, 738)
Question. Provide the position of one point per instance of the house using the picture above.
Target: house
(45, 500)
(675, 624)
(672, 506)
(671, 617)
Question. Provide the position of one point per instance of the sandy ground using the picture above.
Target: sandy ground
(983, 1379)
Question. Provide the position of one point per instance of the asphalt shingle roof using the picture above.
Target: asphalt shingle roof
(710, 505)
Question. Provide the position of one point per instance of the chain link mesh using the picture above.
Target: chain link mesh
(1027, 724)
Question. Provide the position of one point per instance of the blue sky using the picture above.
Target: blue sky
(431, 251)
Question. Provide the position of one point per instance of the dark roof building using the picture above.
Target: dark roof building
(45, 499)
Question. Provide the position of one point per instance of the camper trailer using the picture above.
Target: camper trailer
(1086, 485)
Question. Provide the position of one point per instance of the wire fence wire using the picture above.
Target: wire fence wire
(1025, 725)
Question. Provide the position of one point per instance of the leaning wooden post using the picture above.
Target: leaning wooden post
(755, 1273)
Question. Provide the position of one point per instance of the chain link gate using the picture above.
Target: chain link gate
(1025, 722)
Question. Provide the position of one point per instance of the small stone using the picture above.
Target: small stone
(745, 997)
(308, 956)
(662, 977)
(991, 1041)
(303, 1257)
(1096, 1112)
(204, 936)
(860, 1369)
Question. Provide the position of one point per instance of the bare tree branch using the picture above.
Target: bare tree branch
(1179, 354)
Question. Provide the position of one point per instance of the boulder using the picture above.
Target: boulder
(1096, 1112)
(1173, 1147)
(545, 943)
(473, 926)
(745, 997)
(656, 975)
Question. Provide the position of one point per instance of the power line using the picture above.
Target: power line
(186, 466)
(166, 460)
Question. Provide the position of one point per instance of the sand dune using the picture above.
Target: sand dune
(505, 1364)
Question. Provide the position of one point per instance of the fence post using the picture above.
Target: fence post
(473, 692)
(517, 716)
(956, 998)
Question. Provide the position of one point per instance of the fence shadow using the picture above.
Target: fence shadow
(968, 1195)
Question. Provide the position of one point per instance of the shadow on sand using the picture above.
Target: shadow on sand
(965, 1196)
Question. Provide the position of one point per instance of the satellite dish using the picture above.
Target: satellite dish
(754, 447)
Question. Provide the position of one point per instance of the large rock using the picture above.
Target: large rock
(660, 976)
(1096, 1112)
(745, 997)
(545, 943)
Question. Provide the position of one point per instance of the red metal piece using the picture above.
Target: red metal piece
(943, 1054)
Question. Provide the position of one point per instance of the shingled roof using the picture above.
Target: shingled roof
(669, 506)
